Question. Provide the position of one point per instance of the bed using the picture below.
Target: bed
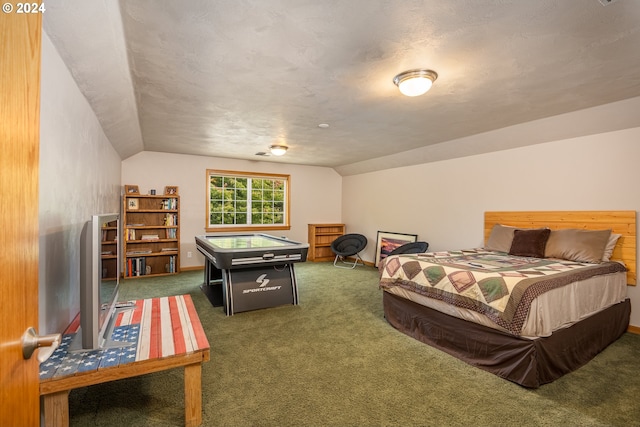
(542, 297)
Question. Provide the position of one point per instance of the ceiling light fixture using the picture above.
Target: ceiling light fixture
(415, 82)
(278, 150)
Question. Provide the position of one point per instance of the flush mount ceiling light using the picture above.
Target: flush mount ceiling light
(278, 150)
(415, 82)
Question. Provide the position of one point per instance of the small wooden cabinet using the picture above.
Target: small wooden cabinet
(320, 238)
(151, 235)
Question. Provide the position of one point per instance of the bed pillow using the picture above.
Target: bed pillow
(500, 238)
(578, 245)
(611, 245)
(529, 243)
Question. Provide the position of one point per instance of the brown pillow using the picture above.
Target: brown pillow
(577, 245)
(529, 242)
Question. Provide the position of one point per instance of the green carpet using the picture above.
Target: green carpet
(334, 361)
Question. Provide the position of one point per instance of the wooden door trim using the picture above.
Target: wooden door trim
(20, 58)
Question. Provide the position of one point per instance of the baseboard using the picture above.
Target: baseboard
(197, 267)
(353, 259)
(634, 329)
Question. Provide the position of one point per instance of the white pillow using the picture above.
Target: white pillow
(611, 245)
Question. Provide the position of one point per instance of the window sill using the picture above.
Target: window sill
(255, 228)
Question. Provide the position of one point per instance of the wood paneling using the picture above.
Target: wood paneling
(620, 222)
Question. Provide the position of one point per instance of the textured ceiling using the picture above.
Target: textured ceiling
(228, 78)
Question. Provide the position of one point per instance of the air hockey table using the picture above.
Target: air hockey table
(253, 270)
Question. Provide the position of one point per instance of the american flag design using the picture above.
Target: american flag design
(155, 328)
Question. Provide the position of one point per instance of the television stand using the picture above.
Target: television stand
(167, 333)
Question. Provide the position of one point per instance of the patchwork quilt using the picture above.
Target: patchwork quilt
(496, 284)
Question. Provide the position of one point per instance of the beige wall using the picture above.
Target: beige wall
(444, 202)
(315, 192)
(79, 176)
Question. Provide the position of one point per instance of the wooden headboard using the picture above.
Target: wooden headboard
(620, 222)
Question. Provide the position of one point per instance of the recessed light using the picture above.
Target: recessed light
(323, 125)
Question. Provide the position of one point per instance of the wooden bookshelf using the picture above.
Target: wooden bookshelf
(109, 245)
(320, 238)
(151, 235)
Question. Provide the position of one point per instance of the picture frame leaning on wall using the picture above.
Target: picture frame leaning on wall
(388, 241)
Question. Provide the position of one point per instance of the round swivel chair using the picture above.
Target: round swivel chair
(410, 248)
(348, 245)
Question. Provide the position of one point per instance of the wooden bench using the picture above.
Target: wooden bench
(167, 334)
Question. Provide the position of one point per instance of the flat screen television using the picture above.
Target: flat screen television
(99, 281)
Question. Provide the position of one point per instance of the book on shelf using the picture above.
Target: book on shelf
(170, 204)
(169, 250)
(139, 252)
(149, 237)
(137, 267)
(171, 219)
(170, 267)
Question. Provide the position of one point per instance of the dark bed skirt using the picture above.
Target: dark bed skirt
(529, 363)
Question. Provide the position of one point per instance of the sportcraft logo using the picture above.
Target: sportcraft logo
(263, 281)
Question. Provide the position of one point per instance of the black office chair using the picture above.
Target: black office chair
(411, 248)
(348, 245)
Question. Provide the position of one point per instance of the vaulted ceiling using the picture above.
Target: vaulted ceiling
(228, 78)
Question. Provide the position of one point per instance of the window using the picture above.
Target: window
(241, 201)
